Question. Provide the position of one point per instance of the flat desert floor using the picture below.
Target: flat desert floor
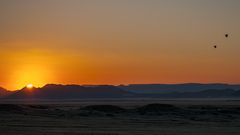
(120, 117)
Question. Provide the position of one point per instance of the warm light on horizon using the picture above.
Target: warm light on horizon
(29, 86)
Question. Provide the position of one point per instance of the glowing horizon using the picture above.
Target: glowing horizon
(120, 42)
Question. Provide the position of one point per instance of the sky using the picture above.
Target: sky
(118, 42)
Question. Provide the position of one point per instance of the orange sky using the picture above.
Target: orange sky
(120, 42)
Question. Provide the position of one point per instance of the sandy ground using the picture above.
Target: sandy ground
(121, 118)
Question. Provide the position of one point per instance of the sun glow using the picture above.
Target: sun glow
(36, 74)
(33, 66)
(29, 86)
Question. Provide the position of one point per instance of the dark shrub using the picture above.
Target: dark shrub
(156, 109)
(11, 108)
(104, 108)
(38, 106)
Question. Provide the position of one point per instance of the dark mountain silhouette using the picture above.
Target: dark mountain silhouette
(53, 91)
(169, 88)
(4, 92)
(161, 91)
(237, 93)
(212, 93)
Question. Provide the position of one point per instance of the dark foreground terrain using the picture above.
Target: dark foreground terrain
(120, 118)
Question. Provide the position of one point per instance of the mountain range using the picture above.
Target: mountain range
(168, 88)
(53, 91)
(191, 90)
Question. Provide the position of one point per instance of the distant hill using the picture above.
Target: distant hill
(212, 93)
(169, 88)
(4, 92)
(53, 91)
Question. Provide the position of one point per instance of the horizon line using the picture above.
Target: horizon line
(63, 84)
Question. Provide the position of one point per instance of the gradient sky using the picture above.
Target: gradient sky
(118, 41)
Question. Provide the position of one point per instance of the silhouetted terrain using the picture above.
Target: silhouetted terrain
(53, 91)
(121, 118)
(211, 93)
(167, 88)
(4, 92)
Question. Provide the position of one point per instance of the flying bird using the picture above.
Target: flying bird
(226, 35)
